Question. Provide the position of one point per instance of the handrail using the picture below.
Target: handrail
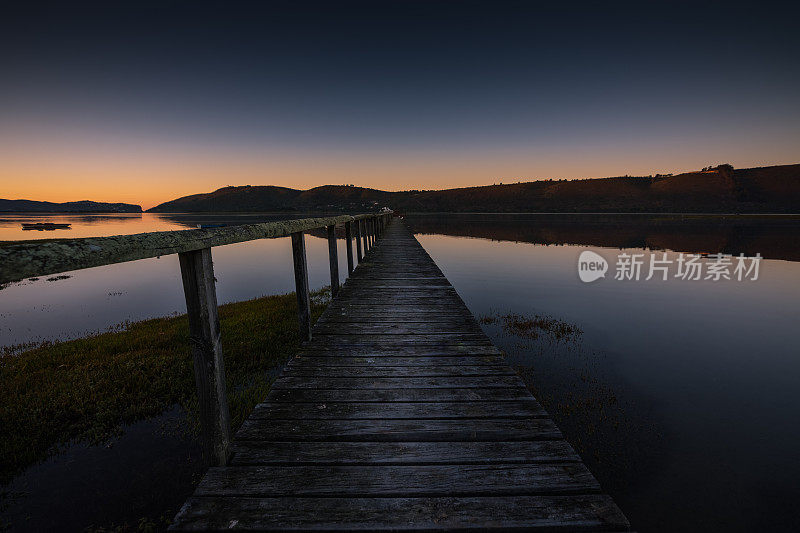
(20, 260)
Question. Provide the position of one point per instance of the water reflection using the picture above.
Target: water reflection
(680, 395)
(95, 299)
(773, 236)
(700, 433)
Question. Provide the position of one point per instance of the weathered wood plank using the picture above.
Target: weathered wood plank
(397, 410)
(547, 513)
(440, 339)
(389, 328)
(267, 452)
(367, 318)
(381, 350)
(445, 382)
(399, 430)
(398, 395)
(417, 370)
(354, 361)
(398, 481)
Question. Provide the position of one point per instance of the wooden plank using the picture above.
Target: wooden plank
(340, 317)
(547, 513)
(398, 410)
(408, 350)
(398, 481)
(399, 430)
(454, 339)
(354, 361)
(291, 381)
(398, 395)
(383, 311)
(197, 273)
(385, 308)
(389, 328)
(417, 370)
(268, 452)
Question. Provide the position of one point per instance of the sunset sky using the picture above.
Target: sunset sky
(144, 104)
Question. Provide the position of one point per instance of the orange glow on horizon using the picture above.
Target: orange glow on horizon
(150, 177)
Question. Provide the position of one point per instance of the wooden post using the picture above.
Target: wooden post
(301, 285)
(333, 256)
(363, 224)
(358, 241)
(348, 237)
(371, 232)
(197, 271)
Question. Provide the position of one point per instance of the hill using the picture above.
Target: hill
(718, 190)
(85, 206)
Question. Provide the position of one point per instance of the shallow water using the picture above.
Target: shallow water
(702, 374)
(680, 395)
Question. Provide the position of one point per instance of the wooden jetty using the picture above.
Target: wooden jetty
(399, 414)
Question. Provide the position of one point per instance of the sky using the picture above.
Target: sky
(143, 102)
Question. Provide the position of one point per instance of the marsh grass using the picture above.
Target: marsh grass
(533, 327)
(86, 389)
(562, 373)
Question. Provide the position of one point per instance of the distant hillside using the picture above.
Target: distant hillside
(719, 190)
(85, 206)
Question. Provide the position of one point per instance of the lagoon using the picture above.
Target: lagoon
(679, 395)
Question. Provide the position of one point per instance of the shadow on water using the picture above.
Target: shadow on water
(138, 479)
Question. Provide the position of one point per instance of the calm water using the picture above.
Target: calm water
(681, 396)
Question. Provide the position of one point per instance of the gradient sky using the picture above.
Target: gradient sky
(157, 100)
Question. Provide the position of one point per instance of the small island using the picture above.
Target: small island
(83, 206)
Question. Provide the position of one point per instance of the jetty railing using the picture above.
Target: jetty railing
(26, 259)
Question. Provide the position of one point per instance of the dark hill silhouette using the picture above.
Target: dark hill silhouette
(718, 190)
(84, 206)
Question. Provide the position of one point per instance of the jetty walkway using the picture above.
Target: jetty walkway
(399, 414)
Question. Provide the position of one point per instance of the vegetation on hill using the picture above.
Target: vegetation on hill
(719, 189)
(85, 206)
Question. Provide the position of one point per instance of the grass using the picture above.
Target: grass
(86, 389)
(532, 327)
